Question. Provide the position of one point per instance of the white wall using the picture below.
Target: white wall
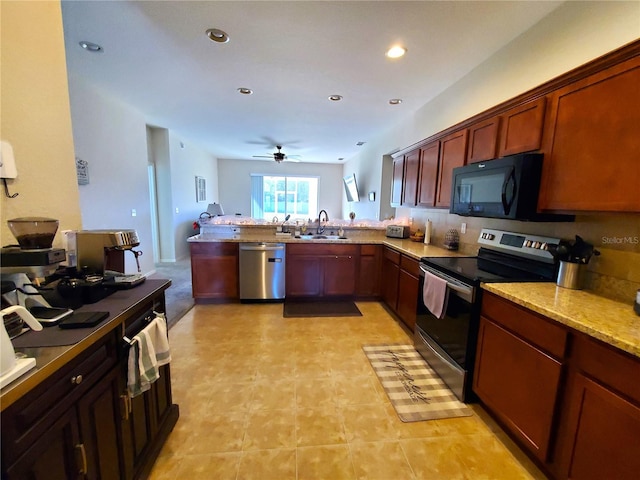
(187, 162)
(570, 36)
(35, 117)
(111, 136)
(235, 183)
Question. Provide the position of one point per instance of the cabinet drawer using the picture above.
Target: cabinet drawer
(368, 250)
(410, 265)
(392, 255)
(321, 249)
(607, 365)
(214, 248)
(534, 328)
(24, 421)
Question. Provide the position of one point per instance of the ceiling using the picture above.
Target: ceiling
(157, 58)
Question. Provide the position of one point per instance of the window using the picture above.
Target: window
(275, 196)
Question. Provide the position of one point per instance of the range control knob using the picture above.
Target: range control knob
(527, 243)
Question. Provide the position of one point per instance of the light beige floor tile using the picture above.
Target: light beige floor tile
(380, 461)
(326, 462)
(319, 426)
(274, 394)
(270, 397)
(276, 464)
(367, 423)
(221, 466)
(268, 429)
(316, 392)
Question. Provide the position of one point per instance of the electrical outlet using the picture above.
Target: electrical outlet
(133, 212)
(463, 228)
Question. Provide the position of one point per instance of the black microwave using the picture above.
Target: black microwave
(502, 188)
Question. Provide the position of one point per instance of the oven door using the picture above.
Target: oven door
(448, 343)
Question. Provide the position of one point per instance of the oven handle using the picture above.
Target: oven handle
(452, 283)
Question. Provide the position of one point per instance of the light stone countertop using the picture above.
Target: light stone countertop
(608, 320)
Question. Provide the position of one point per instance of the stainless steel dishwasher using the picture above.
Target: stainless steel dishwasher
(262, 271)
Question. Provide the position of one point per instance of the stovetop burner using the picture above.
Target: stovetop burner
(507, 257)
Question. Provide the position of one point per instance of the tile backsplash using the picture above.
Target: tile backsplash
(614, 274)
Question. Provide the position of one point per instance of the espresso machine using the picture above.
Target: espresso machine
(101, 253)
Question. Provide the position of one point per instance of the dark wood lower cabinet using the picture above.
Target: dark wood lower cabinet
(214, 271)
(79, 423)
(368, 282)
(400, 285)
(519, 383)
(569, 400)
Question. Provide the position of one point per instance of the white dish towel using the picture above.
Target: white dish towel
(435, 294)
(149, 351)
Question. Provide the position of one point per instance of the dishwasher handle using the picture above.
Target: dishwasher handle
(261, 247)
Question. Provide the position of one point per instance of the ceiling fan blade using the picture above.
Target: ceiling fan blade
(262, 156)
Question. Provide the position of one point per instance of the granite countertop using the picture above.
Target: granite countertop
(51, 359)
(415, 250)
(608, 320)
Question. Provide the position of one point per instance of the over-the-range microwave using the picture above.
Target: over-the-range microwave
(505, 188)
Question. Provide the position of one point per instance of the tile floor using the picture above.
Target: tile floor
(266, 397)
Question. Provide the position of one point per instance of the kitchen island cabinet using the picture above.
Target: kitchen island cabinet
(70, 417)
(214, 271)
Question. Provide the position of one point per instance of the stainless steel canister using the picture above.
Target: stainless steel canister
(571, 275)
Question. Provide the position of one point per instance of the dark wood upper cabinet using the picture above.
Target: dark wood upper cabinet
(428, 178)
(521, 129)
(453, 152)
(483, 140)
(410, 183)
(593, 141)
(398, 179)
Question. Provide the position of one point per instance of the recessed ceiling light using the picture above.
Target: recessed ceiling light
(91, 47)
(335, 98)
(245, 91)
(359, 144)
(396, 52)
(340, 159)
(395, 101)
(217, 35)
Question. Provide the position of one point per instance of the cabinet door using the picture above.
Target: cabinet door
(389, 281)
(101, 429)
(591, 161)
(521, 129)
(339, 275)
(428, 174)
(303, 276)
(410, 182)
(214, 270)
(56, 455)
(518, 383)
(398, 178)
(483, 140)
(369, 271)
(408, 288)
(453, 153)
(605, 429)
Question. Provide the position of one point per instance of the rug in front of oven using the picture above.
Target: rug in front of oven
(415, 390)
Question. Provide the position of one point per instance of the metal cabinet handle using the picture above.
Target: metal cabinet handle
(83, 456)
(77, 380)
(125, 402)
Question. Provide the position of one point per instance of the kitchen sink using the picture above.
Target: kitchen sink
(321, 237)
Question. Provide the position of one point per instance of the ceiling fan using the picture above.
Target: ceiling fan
(279, 156)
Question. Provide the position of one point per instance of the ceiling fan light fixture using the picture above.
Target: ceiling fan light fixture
(90, 47)
(395, 101)
(217, 35)
(245, 91)
(335, 98)
(396, 51)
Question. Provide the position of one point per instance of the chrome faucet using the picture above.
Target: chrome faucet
(326, 219)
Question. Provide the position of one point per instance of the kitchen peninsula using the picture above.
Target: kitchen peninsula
(72, 412)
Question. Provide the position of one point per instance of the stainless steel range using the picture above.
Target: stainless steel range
(448, 343)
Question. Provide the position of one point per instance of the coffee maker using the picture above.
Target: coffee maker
(101, 252)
